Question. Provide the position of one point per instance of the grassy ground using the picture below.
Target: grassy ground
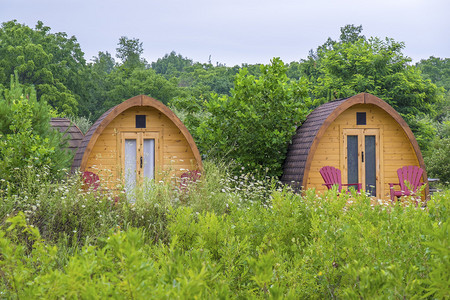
(221, 237)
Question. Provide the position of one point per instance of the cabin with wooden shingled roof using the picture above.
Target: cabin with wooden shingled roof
(70, 130)
(139, 139)
(363, 136)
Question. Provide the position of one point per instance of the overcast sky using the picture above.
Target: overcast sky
(237, 31)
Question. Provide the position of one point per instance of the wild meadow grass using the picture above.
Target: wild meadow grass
(222, 236)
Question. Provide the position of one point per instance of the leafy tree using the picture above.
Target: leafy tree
(437, 70)
(356, 64)
(130, 51)
(52, 62)
(351, 33)
(192, 112)
(171, 64)
(95, 85)
(254, 125)
(123, 84)
(26, 139)
(103, 63)
(294, 70)
(437, 157)
(208, 78)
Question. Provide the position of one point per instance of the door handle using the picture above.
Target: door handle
(362, 156)
(141, 162)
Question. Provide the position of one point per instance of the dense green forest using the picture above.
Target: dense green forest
(219, 103)
(236, 232)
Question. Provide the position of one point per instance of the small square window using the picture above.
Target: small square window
(140, 121)
(361, 118)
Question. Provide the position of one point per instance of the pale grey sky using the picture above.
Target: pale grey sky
(237, 31)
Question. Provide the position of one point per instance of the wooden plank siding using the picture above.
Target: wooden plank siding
(177, 155)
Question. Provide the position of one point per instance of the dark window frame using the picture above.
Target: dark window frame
(361, 118)
(141, 121)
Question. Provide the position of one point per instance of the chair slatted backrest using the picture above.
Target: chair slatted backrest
(331, 176)
(412, 174)
(189, 178)
(91, 180)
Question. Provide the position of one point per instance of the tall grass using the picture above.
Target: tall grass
(220, 237)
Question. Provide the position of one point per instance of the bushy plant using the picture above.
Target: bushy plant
(83, 123)
(83, 243)
(26, 139)
(253, 126)
(437, 158)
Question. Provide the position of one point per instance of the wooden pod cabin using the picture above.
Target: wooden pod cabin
(362, 135)
(139, 138)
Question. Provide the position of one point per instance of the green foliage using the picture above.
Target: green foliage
(437, 159)
(357, 64)
(129, 52)
(437, 70)
(103, 63)
(424, 129)
(438, 148)
(82, 123)
(49, 61)
(95, 85)
(26, 139)
(125, 83)
(254, 125)
(287, 246)
(171, 64)
(207, 78)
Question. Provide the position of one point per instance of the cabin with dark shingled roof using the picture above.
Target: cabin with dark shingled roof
(368, 150)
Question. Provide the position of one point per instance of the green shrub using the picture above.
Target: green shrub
(287, 246)
(26, 139)
(437, 159)
(254, 125)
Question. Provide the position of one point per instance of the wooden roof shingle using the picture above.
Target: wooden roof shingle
(299, 149)
(82, 148)
(70, 129)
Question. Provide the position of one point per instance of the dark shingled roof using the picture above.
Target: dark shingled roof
(80, 152)
(66, 126)
(298, 150)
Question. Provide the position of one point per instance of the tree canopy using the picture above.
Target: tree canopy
(356, 64)
(255, 123)
(51, 62)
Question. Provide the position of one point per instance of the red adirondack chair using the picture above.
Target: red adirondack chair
(332, 176)
(91, 180)
(412, 174)
(189, 178)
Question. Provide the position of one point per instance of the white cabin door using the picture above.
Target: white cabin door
(139, 158)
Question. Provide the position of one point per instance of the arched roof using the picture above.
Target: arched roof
(304, 143)
(70, 130)
(97, 128)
